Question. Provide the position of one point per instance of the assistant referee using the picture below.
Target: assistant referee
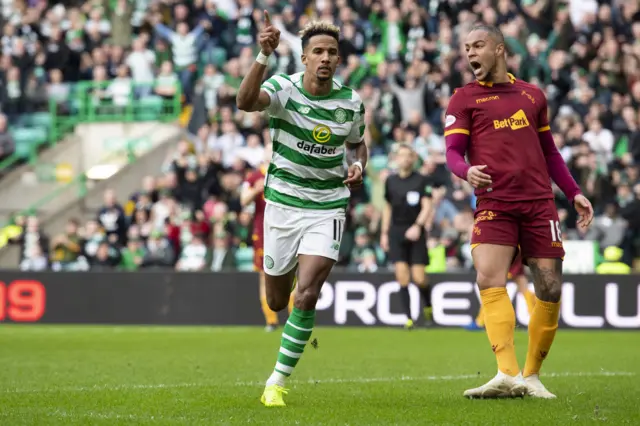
(408, 196)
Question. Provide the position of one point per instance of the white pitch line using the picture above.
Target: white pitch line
(435, 378)
(302, 382)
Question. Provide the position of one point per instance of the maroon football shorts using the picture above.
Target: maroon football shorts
(533, 226)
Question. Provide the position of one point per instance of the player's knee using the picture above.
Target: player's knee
(547, 278)
(307, 298)
(550, 290)
(276, 303)
(485, 280)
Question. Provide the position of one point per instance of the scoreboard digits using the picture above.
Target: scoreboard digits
(22, 301)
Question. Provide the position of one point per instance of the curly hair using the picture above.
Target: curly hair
(315, 28)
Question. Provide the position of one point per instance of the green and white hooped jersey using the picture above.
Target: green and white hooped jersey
(309, 134)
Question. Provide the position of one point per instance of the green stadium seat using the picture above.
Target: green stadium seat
(149, 108)
(368, 184)
(216, 56)
(379, 162)
(244, 267)
(244, 254)
(23, 149)
(380, 255)
(39, 119)
(34, 135)
(244, 259)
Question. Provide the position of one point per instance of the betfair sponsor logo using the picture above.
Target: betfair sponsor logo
(487, 99)
(515, 122)
(311, 148)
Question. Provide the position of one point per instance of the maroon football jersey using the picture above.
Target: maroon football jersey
(258, 218)
(503, 121)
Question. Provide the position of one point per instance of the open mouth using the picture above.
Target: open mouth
(475, 66)
(324, 69)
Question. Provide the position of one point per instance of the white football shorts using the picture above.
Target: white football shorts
(289, 232)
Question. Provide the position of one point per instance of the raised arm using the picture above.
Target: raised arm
(250, 97)
(164, 31)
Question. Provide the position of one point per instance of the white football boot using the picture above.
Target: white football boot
(501, 386)
(536, 389)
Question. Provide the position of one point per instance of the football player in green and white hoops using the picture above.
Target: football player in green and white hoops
(317, 128)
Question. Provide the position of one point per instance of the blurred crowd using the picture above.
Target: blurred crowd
(404, 57)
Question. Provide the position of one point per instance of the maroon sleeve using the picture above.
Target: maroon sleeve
(251, 179)
(456, 133)
(558, 170)
(456, 149)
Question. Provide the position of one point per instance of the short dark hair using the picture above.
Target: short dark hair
(315, 28)
(493, 31)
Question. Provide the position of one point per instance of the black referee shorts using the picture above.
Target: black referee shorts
(403, 250)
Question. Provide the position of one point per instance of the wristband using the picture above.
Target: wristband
(262, 58)
(359, 164)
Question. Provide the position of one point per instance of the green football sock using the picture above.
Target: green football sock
(295, 335)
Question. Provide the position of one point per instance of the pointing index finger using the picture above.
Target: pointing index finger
(267, 18)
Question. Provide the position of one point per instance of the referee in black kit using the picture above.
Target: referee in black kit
(405, 215)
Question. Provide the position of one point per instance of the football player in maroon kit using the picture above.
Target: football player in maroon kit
(500, 123)
(253, 192)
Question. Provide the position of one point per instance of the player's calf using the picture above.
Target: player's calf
(313, 271)
(547, 278)
(543, 324)
(278, 290)
(492, 262)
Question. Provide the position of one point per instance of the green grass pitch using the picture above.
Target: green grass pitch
(89, 375)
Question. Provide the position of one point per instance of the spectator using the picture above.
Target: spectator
(193, 256)
(112, 218)
(166, 84)
(184, 45)
(222, 257)
(132, 255)
(105, 259)
(360, 252)
(66, 249)
(611, 227)
(31, 237)
(7, 144)
(36, 261)
(12, 97)
(121, 16)
(92, 238)
(141, 62)
(159, 253)
(367, 262)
